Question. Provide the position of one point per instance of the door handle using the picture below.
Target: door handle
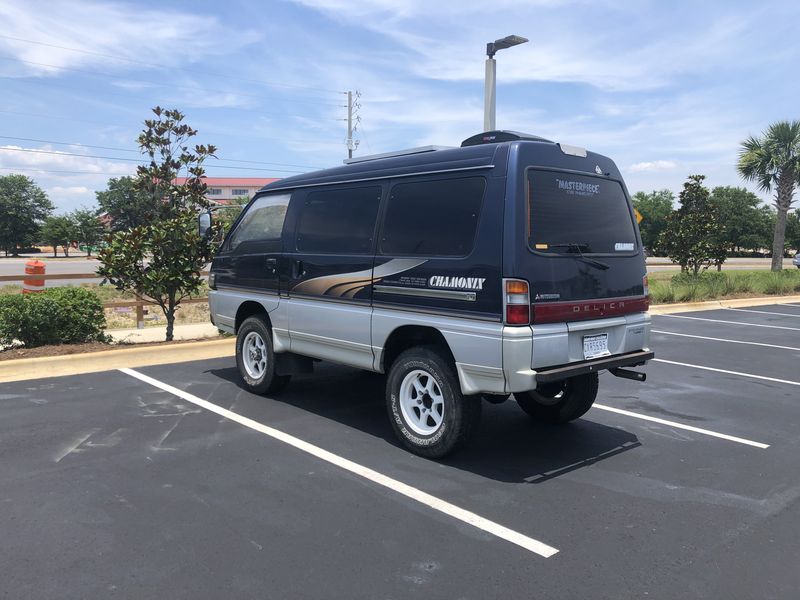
(299, 269)
(271, 264)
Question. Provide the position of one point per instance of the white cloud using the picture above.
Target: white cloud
(655, 165)
(97, 32)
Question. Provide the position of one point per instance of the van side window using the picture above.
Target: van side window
(433, 218)
(262, 221)
(339, 221)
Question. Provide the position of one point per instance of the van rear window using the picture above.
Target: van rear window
(571, 213)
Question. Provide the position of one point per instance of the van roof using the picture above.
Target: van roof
(474, 154)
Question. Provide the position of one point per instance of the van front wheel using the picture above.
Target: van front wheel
(427, 410)
(561, 401)
(256, 359)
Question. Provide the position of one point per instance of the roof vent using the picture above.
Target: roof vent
(495, 137)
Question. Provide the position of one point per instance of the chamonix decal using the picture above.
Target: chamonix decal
(457, 283)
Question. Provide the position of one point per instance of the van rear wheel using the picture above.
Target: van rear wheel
(428, 412)
(255, 358)
(561, 401)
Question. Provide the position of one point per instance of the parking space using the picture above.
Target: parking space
(125, 485)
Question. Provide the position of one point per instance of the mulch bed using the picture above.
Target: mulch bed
(64, 349)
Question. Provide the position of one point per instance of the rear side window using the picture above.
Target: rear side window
(263, 220)
(339, 221)
(578, 214)
(433, 218)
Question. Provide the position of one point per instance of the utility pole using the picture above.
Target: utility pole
(352, 109)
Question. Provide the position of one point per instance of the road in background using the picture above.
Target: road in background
(16, 266)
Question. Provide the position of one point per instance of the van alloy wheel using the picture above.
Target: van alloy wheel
(421, 402)
(254, 355)
(428, 412)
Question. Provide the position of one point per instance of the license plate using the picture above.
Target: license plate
(595, 345)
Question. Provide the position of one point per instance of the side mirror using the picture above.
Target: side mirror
(204, 224)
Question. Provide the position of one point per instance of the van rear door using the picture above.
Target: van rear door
(582, 254)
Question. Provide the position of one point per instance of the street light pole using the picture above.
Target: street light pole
(490, 82)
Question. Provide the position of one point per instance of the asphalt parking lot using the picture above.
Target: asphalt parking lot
(131, 485)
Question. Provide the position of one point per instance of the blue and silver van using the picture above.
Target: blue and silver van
(510, 265)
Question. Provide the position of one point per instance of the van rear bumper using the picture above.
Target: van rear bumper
(559, 373)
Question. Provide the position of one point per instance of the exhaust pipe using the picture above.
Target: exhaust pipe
(627, 374)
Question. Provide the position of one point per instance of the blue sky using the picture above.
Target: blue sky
(664, 88)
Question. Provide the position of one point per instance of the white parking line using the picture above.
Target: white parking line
(413, 493)
(715, 434)
(728, 322)
(750, 375)
(763, 312)
(713, 339)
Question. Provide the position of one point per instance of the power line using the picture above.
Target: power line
(161, 66)
(134, 160)
(220, 134)
(59, 83)
(255, 162)
(194, 89)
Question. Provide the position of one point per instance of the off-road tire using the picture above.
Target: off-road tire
(268, 382)
(461, 413)
(577, 395)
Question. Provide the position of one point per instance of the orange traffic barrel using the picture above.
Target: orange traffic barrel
(33, 284)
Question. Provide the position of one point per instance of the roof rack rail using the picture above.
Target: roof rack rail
(495, 137)
(420, 150)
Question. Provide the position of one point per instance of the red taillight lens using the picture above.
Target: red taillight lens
(517, 301)
(517, 314)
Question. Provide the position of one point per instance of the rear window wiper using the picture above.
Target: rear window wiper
(590, 261)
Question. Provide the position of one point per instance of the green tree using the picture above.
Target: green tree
(126, 205)
(228, 214)
(88, 228)
(23, 206)
(58, 231)
(743, 216)
(161, 260)
(773, 161)
(691, 236)
(654, 207)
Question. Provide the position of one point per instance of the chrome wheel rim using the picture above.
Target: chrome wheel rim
(421, 402)
(254, 355)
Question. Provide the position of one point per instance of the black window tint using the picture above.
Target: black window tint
(262, 221)
(572, 213)
(433, 218)
(339, 221)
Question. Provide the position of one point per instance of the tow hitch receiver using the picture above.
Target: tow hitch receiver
(628, 374)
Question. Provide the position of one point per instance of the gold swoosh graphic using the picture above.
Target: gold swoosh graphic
(327, 284)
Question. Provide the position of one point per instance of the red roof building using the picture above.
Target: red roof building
(226, 188)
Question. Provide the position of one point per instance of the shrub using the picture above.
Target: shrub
(65, 315)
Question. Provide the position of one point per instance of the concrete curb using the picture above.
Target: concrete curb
(667, 309)
(92, 362)
(76, 364)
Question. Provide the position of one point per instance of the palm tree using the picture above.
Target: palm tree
(773, 161)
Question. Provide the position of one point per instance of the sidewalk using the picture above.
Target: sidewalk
(194, 331)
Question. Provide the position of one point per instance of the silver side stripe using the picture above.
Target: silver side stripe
(426, 292)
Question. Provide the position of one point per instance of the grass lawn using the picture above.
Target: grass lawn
(666, 287)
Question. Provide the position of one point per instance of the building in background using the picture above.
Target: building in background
(221, 189)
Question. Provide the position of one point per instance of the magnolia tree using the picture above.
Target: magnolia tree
(692, 236)
(161, 259)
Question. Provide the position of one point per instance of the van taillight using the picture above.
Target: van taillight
(645, 286)
(517, 301)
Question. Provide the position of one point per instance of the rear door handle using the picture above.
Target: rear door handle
(271, 264)
(299, 269)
